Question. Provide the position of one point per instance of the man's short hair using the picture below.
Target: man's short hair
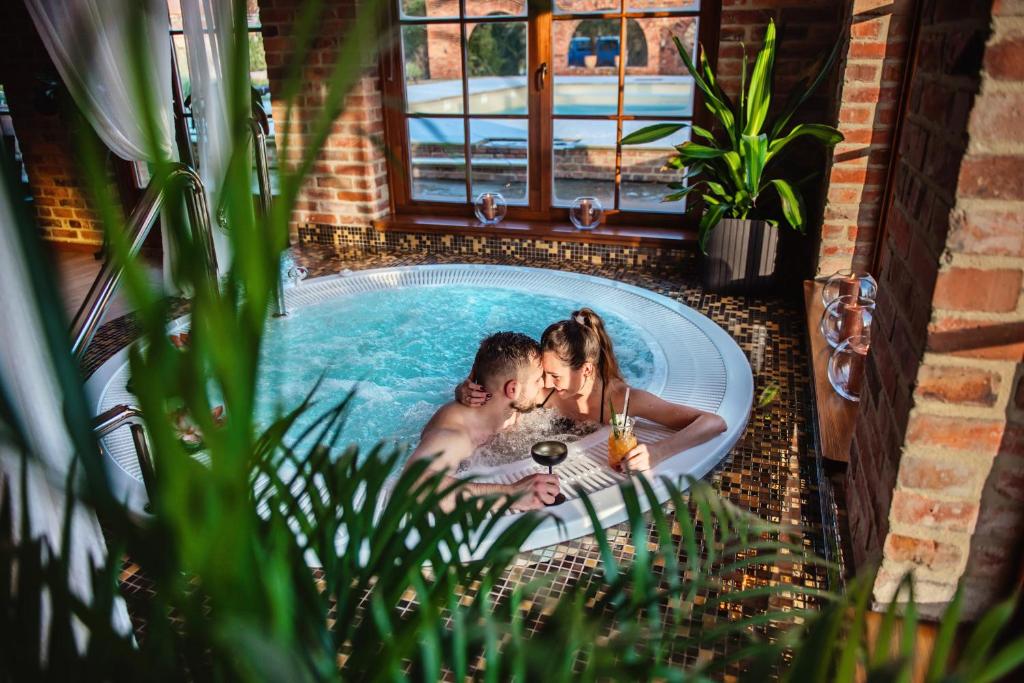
(502, 355)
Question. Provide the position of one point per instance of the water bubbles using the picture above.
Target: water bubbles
(514, 443)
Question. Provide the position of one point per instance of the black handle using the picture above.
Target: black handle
(541, 76)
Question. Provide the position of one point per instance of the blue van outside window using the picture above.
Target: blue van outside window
(578, 49)
(607, 50)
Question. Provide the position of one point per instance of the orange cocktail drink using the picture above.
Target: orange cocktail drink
(621, 440)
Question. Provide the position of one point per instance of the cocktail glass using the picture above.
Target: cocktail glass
(548, 454)
(621, 440)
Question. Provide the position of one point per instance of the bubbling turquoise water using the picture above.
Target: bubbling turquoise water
(404, 351)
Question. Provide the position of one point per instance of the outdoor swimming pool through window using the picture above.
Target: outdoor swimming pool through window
(488, 97)
(584, 149)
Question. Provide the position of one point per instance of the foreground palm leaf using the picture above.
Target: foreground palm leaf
(737, 171)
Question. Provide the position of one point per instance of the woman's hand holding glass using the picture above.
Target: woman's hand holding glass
(640, 458)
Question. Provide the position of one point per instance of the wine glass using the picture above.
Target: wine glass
(585, 212)
(490, 208)
(849, 282)
(847, 316)
(548, 454)
(846, 367)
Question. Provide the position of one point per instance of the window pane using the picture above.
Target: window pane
(487, 8)
(663, 5)
(436, 9)
(496, 59)
(252, 12)
(13, 149)
(438, 162)
(433, 68)
(586, 6)
(258, 64)
(657, 82)
(498, 151)
(585, 55)
(181, 56)
(644, 182)
(174, 9)
(584, 161)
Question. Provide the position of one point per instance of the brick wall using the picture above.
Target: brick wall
(445, 57)
(936, 474)
(872, 73)
(62, 211)
(638, 165)
(348, 183)
(806, 30)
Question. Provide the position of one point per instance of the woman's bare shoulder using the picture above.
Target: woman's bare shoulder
(616, 391)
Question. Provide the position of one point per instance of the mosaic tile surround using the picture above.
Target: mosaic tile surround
(367, 239)
(773, 471)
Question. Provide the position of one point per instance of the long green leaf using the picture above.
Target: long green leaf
(707, 223)
(944, 639)
(681, 194)
(759, 91)
(718, 189)
(983, 638)
(753, 149)
(734, 168)
(743, 84)
(727, 106)
(651, 133)
(792, 204)
(692, 151)
(802, 91)
(712, 101)
(850, 648)
(1009, 659)
(826, 134)
(704, 133)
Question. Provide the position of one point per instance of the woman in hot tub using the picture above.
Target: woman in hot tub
(583, 382)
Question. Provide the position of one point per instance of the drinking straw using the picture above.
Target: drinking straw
(625, 407)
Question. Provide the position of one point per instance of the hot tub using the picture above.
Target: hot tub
(405, 336)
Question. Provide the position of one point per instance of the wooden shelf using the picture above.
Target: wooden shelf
(834, 416)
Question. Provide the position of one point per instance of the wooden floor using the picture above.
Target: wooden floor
(76, 271)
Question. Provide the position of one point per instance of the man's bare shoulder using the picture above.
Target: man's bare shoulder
(447, 434)
(450, 416)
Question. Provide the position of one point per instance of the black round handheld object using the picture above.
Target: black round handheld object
(548, 454)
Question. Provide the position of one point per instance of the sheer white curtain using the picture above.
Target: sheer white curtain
(28, 379)
(90, 43)
(208, 26)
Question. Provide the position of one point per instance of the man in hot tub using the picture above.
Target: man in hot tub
(510, 363)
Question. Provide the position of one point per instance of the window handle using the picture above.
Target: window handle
(541, 76)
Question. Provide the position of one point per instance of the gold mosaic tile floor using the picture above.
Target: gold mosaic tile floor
(773, 471)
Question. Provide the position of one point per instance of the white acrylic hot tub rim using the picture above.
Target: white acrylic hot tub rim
(573, 520)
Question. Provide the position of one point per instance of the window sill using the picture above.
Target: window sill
(618, 235)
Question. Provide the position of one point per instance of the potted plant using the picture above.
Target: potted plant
(732, 169)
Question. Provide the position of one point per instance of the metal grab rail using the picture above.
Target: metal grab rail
(141, 221)
(259, 124)
(117, 417)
